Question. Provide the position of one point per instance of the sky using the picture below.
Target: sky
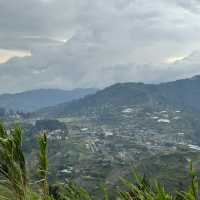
(86, 43)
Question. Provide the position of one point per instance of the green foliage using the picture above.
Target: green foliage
(43, 166)
(49, 124)
(14, 184)
(143, 191)
(13, 174)
(192, 193)
(12, 163)
(74, 192)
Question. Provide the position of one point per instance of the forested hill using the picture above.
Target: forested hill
(181, 93)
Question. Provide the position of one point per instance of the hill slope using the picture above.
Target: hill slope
(180, 93)
(36, 99)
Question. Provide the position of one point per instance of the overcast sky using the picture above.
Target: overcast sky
(87, 43)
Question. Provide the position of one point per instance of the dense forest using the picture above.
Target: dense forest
(15, 183)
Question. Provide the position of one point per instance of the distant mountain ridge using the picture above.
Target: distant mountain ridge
(30, 101)
(180, 93)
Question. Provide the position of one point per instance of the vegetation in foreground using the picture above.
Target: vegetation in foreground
(15, 184)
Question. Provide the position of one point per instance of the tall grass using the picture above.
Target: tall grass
(12, 163)
(14, 183)
(43, 166)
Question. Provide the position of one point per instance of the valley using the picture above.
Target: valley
(100, 142)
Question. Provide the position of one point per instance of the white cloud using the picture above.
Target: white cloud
(6, 55)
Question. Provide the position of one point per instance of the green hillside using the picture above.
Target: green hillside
(182, 93)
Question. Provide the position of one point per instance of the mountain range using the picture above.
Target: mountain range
(30, 101)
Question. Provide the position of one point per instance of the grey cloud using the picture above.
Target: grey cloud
(110, 41)
(26, 43)
(35, 18)
(192, 5)
(108, 18)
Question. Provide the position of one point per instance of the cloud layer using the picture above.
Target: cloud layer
(89, 43)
